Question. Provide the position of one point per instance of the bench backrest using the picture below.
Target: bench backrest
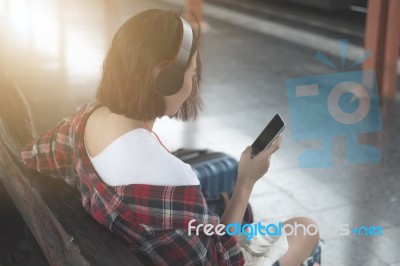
(52, 210)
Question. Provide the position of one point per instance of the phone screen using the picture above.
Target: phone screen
(268, 135)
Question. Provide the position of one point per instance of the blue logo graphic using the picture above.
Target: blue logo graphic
(339, 104)
(363, 230)
(368, 231)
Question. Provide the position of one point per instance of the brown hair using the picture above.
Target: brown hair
(142, 42)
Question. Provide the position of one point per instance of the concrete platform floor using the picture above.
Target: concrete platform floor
(54, 51)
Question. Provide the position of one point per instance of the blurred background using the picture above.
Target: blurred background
(54, 49)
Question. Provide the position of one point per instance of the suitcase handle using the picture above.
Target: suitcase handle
(193, 152)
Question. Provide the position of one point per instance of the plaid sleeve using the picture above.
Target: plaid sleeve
(51, 153)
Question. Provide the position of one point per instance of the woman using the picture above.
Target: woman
(129, 181)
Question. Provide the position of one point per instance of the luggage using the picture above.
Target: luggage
(217, 173)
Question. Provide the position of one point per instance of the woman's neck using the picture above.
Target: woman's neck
(148, 125)
(141, 124)
(130, 123)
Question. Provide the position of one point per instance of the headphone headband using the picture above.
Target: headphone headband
(170, 79)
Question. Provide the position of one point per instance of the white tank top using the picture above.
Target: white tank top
(138, 158)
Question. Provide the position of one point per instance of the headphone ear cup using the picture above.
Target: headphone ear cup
(170, 80)
(171, 75)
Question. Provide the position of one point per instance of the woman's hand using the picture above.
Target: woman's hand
(249, 171)
(252, 169)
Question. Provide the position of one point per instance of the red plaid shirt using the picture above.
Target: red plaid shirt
(152, 220)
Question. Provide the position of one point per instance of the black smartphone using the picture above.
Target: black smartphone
(268, 135)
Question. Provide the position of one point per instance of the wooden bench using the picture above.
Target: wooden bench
(52, 210)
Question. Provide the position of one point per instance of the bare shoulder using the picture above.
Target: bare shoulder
(102, 128)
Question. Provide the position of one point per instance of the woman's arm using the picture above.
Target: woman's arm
(250, 170)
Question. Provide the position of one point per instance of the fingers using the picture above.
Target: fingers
(273, 147)
(278, 140)
(268, 151)
(247, 150)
